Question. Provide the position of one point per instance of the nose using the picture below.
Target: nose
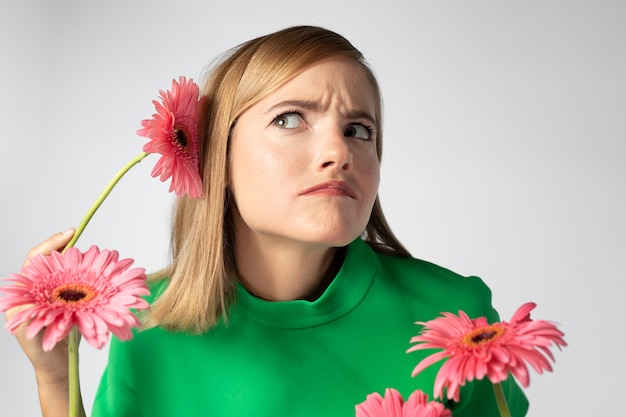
(335, 151)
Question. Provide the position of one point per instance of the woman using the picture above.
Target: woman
(287, 294)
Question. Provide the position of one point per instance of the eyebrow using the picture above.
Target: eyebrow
(316, 106)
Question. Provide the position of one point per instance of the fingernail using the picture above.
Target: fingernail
(68, 231)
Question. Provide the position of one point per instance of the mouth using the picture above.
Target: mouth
(338, 188)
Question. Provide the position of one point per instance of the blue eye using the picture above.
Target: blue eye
(359, 131)
(289, 120)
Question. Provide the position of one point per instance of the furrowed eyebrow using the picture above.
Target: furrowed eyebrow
(301, 104)
(362, 115)
(315, 106)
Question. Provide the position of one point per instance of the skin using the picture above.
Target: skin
(317, 127)
(50, 367)
(283, 228)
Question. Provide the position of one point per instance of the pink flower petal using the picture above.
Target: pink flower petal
(100, 290)
(173, 133)
(393, 405)
(477, 349)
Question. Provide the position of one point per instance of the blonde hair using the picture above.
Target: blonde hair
(202, 275)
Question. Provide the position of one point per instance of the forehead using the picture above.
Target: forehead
(339, 82)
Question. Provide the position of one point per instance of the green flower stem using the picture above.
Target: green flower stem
(83, 224)
(501, 400)
(74, 387)
(74, 338)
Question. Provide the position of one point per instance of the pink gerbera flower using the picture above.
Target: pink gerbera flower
(173, 133)
(93, 290)
(476, 349)
(394, 406)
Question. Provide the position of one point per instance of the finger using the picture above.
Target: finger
(54, 242)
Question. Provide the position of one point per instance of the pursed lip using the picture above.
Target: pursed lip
(331, 188)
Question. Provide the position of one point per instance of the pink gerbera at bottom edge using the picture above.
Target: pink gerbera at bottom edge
(93, 290)
(393, 405)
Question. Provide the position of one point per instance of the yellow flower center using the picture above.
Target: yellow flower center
(73, 293)
(483, 335)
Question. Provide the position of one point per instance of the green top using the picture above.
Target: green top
(301, 358)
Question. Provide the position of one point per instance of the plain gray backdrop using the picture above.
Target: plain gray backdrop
(505, 150)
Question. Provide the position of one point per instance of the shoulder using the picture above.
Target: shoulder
(413, 271)
(156, 285)
(422, 282)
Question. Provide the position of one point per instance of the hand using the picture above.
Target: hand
(51, 368)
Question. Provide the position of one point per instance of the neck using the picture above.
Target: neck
(275, 270)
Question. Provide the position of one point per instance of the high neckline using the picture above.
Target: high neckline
(344, 293)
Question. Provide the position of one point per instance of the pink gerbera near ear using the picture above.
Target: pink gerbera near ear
(93, 290)
(173, 133)
(476, 349)
(394, 406)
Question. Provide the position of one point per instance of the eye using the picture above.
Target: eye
(289, 120)
(359, 131)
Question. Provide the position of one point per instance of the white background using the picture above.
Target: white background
(505, 149)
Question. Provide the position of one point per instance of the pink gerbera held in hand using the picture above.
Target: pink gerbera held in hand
(93, 290)
(394, 406)
(476, 349)
(173, 133)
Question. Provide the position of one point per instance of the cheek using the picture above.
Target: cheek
(373, 189)
(259, 176)
(370, 177)
(376, 180)
(263, 168)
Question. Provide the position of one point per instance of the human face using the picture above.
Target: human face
(303, 160)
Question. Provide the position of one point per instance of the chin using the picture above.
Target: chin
(333, 238)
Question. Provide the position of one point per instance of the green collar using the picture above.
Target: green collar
(344, 294)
